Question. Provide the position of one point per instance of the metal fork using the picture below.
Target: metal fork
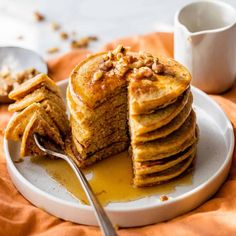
(102, 218)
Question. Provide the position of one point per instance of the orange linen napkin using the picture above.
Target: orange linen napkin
(216, 217)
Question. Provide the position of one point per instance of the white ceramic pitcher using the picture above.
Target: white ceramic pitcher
(205, 42)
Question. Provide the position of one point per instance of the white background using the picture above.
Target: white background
(107, 19)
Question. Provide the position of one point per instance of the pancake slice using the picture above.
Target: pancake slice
(141, 124)
(40, 80)
(18, 123)
(149, 167)
(38, 124)
(38, 95)
(176, 142)
(165, 130)
(164, 176)
(58, 115)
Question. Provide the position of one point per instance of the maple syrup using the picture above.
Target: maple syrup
(110, 179)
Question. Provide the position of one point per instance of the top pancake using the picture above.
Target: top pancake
(164, 88)
(94, 94)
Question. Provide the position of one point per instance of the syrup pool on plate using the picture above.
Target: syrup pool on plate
(110, 179)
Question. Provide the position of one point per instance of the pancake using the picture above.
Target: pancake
(163, 176)
(176, 142)
(18, 123)
(38, 124)
(167, 86)
(149, 167)
(94, 94)
(86, 116)
(141, 124)
(113, 149)
(40, 80)
(85, 152)
(88, 136)
(57, 114)
(38, 95)
(166, 129)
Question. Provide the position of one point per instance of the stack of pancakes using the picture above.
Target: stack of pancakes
(162, 125)
(40, 109)
(98, 116)
(116, 99)
(153, 93)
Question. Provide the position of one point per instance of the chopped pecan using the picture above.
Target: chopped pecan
(142, 72)
(53, 50)
(158, 67)
(55, 26)
(64, 35)
(164, 198)
(38, 16)
(106, 65)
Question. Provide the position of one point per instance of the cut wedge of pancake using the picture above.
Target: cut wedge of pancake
(57, 114)
(38, 124)
(149, 167)
(164, 176)
(36, 96)
(176, 142)
(167, 129)
(18, 123)
(166, 87)
(40, 80)
(141, 124)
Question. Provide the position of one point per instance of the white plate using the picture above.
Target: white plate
(213, 161)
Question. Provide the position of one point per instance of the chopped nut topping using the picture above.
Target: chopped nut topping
(119, 55)
(53, 50)
(137, 64)
(97, 75)
(142, 65)
(25, 75)
(38, 16)
(64, 35)
(55, 26)
(110, 55)
(158, 68)
(10, 80)
(105, 57)
(82, 42)
(106, 65)
(119, 49)
(164, 198)
(142, 72)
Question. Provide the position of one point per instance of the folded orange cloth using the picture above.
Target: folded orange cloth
(215, 217)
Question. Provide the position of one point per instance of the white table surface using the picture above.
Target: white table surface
(107, 19)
